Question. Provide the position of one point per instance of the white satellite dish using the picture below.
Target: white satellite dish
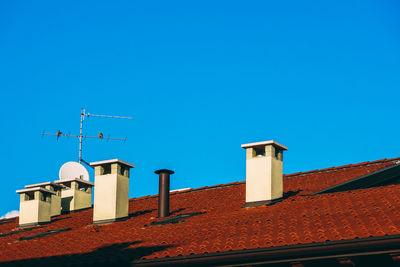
(71, 170)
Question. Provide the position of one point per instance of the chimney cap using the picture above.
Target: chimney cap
(32, 189)
(264, 143)
(74, 179)
(43, 184)
(164, 171)
(97, 163)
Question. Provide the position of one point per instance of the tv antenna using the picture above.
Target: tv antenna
(82, 137)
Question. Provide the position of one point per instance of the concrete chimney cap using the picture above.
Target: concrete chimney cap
(43, 184)
(74, 179)
(97, 163)
(33, 189)
(264, 143)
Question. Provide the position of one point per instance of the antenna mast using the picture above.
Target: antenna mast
(81, 136)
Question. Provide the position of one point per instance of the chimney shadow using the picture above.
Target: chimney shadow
(59, 219)
(285, 196)
(290, 193)
(138, 213)
(114, 255)
(176, 211)
(65, 204)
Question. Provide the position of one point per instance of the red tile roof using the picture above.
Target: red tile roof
(316, 180)
(225, 225)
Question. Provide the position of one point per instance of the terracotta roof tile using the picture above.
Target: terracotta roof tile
(224, 225)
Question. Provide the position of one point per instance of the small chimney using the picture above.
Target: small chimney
(163, 192)
(34, 206)
(264, 172)
(111, 192)
(76, 194)
(55, 198)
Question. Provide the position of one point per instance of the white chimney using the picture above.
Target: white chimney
(76, 194)
(55, 198)
(34, 206)
(264, 172)
(111, 191)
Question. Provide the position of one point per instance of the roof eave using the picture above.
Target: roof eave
(302, 252)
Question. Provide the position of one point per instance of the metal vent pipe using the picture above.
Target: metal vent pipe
(163, 192)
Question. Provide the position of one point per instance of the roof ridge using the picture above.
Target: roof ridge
(347, 166)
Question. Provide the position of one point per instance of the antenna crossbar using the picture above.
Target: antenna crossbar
(85, 136)
(82, 137)
(107, 116)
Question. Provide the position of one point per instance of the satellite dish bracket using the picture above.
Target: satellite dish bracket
(87, 163)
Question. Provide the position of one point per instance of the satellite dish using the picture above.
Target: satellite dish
(71, 170)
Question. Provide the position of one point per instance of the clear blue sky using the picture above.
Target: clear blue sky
(200, 78)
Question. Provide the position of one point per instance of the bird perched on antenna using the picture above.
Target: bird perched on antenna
(83, 137)
(59, 133)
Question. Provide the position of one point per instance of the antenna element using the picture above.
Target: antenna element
(82, 137)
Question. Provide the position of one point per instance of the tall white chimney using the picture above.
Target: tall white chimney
(264, 172)
(111, 191)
